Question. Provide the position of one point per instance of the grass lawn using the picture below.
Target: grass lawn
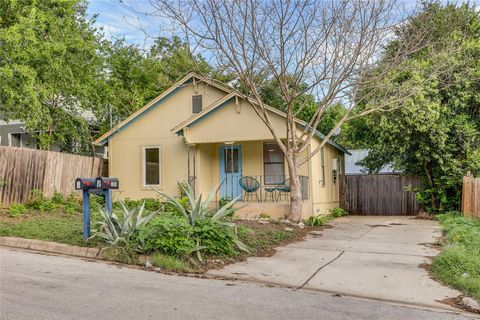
(458, 265)
(59, 226)
(56, 226)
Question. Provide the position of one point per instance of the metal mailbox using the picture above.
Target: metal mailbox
(85, 183)
(105, 183)
(101, 186)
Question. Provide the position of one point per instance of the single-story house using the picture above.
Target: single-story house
(206, 133)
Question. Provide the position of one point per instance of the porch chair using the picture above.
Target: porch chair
(249, 185)
(284, 188)
(271, 190)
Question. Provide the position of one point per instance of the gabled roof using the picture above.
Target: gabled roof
(231, 93)
(104, 138)
(235, 94)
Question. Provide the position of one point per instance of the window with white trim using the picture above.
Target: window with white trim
(151, 166)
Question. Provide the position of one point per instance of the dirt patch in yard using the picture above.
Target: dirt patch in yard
(456, 302)
(263, 238)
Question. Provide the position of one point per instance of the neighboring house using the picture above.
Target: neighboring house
(355, 156)
(13, 134)
(208, 134)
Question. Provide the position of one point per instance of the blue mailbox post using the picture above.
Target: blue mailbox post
(101, 186)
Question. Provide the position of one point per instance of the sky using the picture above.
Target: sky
(127, 19)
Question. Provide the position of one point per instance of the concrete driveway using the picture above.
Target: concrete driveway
(371, 257)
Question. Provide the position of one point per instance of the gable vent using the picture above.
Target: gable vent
(196, 104)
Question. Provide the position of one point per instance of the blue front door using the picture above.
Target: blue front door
(230, 171)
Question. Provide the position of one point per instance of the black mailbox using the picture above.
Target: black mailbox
(106, 183)
(84, 183)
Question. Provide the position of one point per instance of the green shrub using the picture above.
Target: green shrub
(458, 265)
(122, 252)
(196, 210)
(37, 201)
(225, 201)
(338, 212)
(167, 234)
(169, 263)
(97, 203)
(315, 221)
(17, 209)
(168, 207)
(218, 240)
(72, 204)
(151, 204)
(58, 198)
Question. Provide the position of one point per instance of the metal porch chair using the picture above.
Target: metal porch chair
(284, 188)
(250, 186)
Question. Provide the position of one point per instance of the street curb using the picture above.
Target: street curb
(51, 247)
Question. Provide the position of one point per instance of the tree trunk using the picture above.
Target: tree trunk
(433, 198)
(295, 190)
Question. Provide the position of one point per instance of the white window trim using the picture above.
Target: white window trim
(160, 170)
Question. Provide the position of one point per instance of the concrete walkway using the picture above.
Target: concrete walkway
(370, 257)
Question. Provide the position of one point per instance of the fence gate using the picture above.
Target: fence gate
(380, 194)
(471, 197)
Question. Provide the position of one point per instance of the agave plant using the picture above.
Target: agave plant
(114, 229)
(196, 210)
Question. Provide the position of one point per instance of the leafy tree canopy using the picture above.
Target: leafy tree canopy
(50, 69)
(436, 134)
(57, 70)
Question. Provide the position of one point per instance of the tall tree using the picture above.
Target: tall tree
(136, 77)
(436, 134)
(50, 69)
(326, 45)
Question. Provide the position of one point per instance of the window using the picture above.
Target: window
(151, 166)
(196, 104)
(15, 139)
(231, 160)
(273, 164)
(322, 166)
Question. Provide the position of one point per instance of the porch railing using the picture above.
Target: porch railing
(259, 188)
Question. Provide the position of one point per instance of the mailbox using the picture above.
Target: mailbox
(84, 183)
(101, 186)
(106, 183)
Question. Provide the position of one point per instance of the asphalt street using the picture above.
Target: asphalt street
(38, 286)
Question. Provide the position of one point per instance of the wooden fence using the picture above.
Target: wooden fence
(471, 197)
(378, 194)
(22, 170)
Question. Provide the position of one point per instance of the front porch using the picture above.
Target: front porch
(252, 171)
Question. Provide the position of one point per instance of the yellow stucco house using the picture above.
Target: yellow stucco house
(205, 133)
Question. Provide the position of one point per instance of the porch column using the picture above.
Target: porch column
(191, 170)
